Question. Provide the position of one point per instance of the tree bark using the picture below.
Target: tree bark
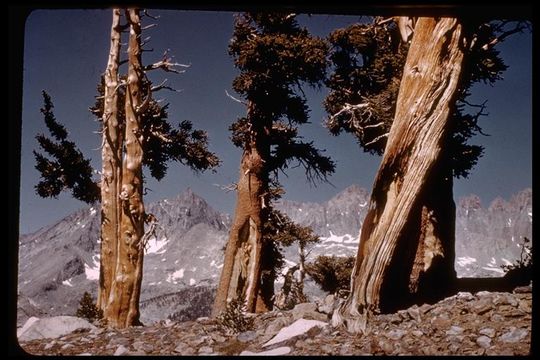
(401, 238)
(111, 156)
(123, 308)
(240, 277)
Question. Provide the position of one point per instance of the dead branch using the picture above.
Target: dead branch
(518, 28)
(235, 99)
(228, 188)
(146, 13)
(163, 86)
(148, 27)
(166, 65)
(376, 139)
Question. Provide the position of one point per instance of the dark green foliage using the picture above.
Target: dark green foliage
(162, 142)
(521, 272)
(88, 309)
(66, 167)
(332, 273)
(275, 56)
(367, 64)
(233, 319)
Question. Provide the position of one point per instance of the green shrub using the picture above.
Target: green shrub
(87, 309)
(233, 319)
(332, 273)
(520, 272)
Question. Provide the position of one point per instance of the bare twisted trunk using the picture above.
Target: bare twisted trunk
(123, 308)
(111, 156)
(399, 243)
(240, 277)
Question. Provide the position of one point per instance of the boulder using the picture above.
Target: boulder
(52, 327)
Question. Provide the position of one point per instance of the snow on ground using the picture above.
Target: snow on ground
(495, 269)
(93, 211)
(156, 246)
(506, 261)
(299, 327)
(192, 281)
(341, 239)
(67, 282)
(465, 260)
(92, 273)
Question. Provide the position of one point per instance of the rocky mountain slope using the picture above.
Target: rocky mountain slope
(484, 323)
(61, 261)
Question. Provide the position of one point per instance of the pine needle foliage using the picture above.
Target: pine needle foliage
(234, 319)
(88, 309)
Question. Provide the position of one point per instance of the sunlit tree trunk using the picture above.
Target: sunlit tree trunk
(401, 238)
(123, 307)
(111, 156)
(240, 277)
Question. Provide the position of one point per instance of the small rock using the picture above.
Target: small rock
(524, 306)
(454, 330)
(417, 333)
(327, 307)
(482, 306)
(66, 346)
(514, 335)
(465, 295)
(97, 331)
(218, 338)
(169, 323)
(453, 348)
(523, 290)
(307, 311)
(121, 350)
(414, 313)
(505, 299)
(385, 346)
(483, 341)
(206, 350)
(396, 334)
(184, 349)
(497, 318)
(441, 322)
(49, 345)
(488, 332)
(276, 325)
(197, 341)
(247, 336)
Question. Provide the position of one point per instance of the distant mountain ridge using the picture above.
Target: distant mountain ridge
(59, 262)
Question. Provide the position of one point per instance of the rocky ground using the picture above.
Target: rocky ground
(484, 323)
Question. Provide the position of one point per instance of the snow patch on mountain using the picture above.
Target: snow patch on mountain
(155, 246)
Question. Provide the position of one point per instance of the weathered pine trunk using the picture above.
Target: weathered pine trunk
(242, 266)
(123, 307)
(111, 156)
(412, 182)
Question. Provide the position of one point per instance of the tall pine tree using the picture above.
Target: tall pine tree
(409, 100)
(275, 56)
(135, 132)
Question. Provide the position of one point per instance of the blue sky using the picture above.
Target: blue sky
(66, 51)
